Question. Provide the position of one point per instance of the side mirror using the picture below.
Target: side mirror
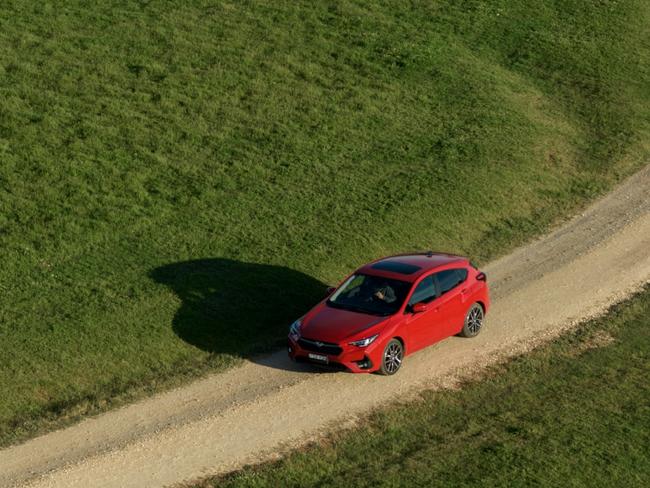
(419, 307)
(481, 276)
(330, 290)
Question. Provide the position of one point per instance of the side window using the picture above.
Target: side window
(424, 292)
(461, 274)
(450, 278)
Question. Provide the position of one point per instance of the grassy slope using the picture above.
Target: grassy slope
(573, 413)
(284, 143)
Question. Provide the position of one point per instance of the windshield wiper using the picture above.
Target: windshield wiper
(346, 306)
(364, 310)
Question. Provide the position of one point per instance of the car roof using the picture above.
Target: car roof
(409, 267)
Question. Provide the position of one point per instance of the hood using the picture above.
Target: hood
(329, 324)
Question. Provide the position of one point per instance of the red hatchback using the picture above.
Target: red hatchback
(390, 308)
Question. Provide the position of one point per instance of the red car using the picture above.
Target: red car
(390, 308)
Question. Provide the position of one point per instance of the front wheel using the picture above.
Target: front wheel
(473, 321)
(391, 360)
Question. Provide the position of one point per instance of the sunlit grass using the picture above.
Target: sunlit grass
(305, 136)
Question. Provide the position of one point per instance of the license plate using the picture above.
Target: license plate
(318, 357)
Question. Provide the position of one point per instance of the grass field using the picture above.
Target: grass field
(572, 413)
(178, 181)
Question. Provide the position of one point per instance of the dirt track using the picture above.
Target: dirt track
(247, 414)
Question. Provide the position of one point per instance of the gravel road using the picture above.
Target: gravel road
(255, 411)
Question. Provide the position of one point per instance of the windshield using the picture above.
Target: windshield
(370, 294)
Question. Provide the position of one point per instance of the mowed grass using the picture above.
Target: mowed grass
(572, 413)
(180, 180)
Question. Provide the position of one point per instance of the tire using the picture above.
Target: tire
(392, 358)
(473, 321)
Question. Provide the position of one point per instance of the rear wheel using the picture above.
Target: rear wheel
(392, 357)
(473, 321)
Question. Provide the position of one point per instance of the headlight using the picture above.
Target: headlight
(364, 342)
(294, 329)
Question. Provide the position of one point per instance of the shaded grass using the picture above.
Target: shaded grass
(572, 413)
(305, 138)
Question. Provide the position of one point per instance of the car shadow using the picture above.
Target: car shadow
(240, 309)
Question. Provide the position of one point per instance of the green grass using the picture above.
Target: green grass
(177, 183)
(572, 413)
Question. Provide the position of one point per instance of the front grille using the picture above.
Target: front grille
(320, 347)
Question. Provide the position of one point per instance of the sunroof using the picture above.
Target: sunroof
(396, 267)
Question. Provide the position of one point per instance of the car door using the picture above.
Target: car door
(452, 302)
(422, 327)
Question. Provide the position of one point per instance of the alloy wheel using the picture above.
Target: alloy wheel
(475, 320)
(393, 357)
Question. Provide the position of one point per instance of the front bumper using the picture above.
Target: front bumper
(353, 358)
